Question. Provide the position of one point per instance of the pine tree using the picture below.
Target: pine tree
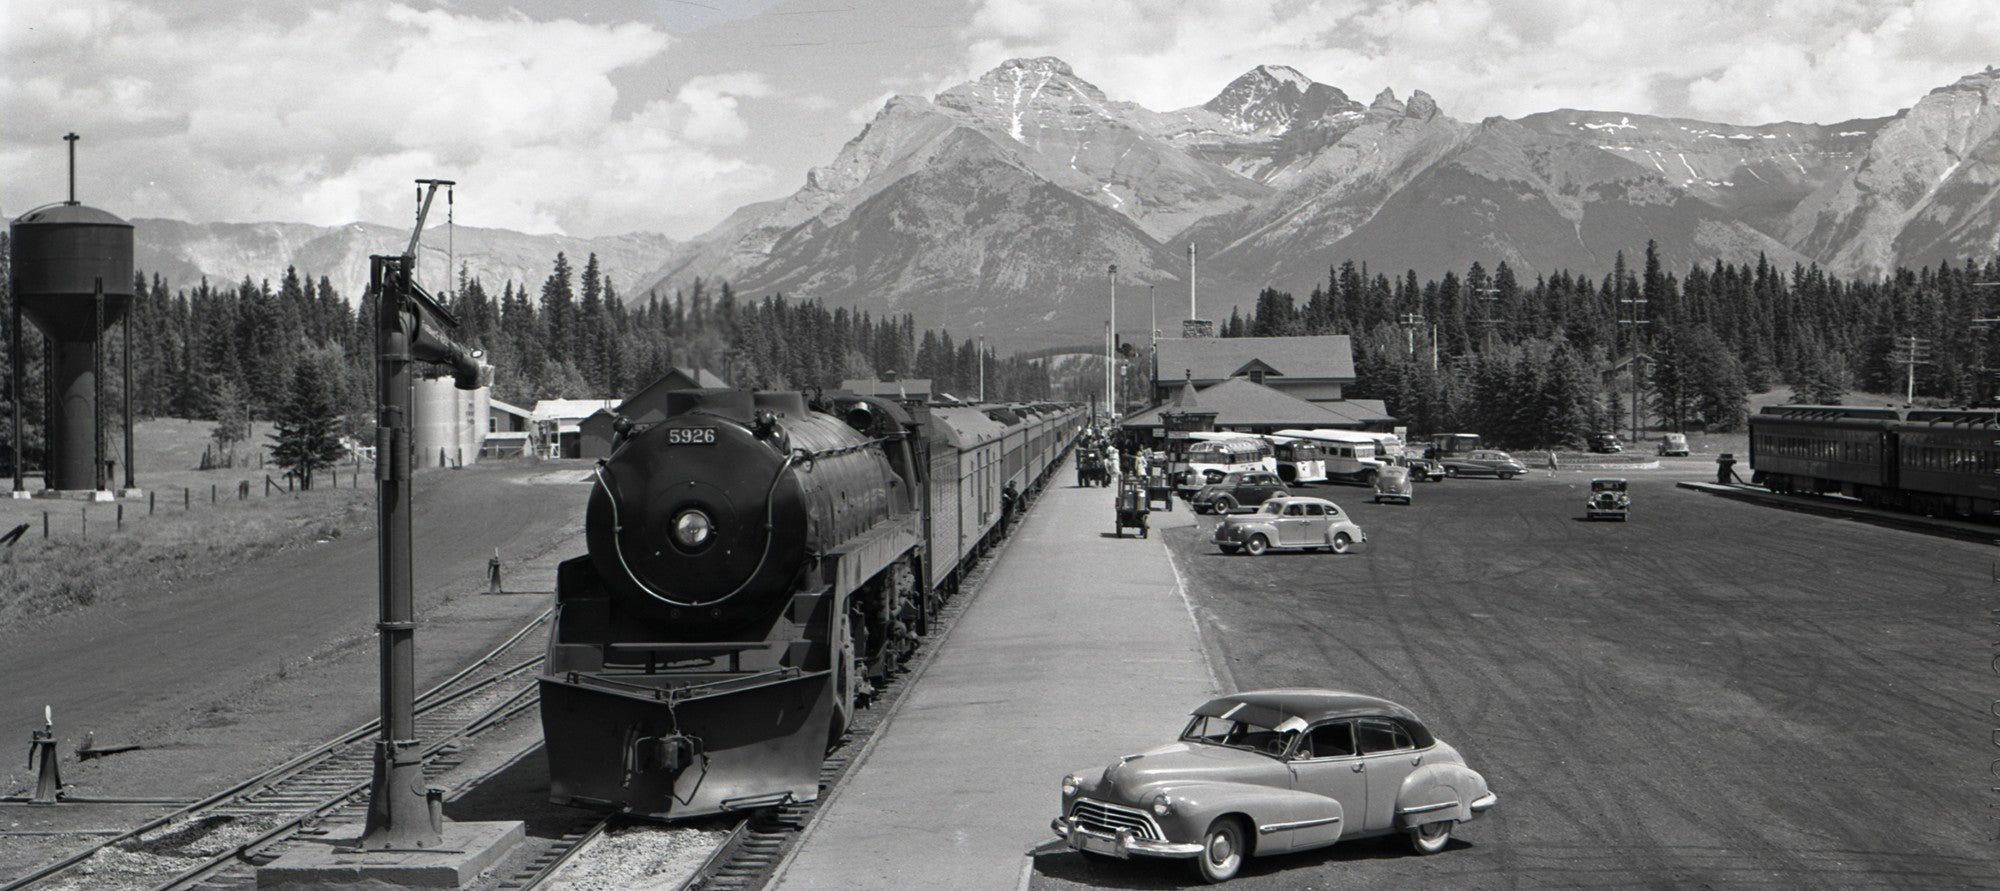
(308, 422)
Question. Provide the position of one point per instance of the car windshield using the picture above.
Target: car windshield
(1272, 507)
(1237, 735)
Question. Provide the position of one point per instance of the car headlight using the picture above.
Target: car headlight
(1162, 805)
(1070, 784)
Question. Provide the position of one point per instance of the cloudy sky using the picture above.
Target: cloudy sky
(613, 116)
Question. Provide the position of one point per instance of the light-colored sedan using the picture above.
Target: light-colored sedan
(1272, 771)
(1289, 522)
(1393, 483)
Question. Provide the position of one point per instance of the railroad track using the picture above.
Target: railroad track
(757, 847)
(227, 835)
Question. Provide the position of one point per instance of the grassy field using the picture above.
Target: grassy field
(175, 532)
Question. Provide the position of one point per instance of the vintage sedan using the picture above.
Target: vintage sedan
(1423, 470)
(1394, 483)
(1483, 462)
(1272, 771)
(1289, 522)
(1608, 500)
(1238, 489)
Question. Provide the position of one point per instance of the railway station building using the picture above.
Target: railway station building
(1243, 405)
(1260, 385)
(1307, 368)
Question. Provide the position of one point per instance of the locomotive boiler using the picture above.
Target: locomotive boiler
(744, 556)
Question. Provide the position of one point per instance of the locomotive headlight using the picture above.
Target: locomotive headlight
(692, 529)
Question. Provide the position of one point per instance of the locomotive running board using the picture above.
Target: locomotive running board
(738, 747)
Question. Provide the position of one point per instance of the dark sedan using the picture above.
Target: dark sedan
(1483, 462)
(1240, 489)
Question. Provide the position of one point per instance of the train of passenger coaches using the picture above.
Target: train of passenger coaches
(756, 562)
(1937, 461)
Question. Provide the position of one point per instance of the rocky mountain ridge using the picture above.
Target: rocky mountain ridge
(998, 206)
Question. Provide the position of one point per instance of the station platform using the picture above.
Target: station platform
(1850, 509)
(1079, 648)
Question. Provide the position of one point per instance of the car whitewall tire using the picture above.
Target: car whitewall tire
(1221, 851)
(1431, 838)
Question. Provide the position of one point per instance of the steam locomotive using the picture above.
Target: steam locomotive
(1944, 462)
(757, 563)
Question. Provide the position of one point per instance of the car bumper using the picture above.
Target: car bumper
(1122, 844)
(1484, 803)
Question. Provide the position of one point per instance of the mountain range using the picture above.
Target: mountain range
(998, 206)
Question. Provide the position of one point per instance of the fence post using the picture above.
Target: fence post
(152, 499)
(86, 521)
(186, 502)
(121, 518)
(45, 525)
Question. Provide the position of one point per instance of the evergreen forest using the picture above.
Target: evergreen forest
(1526, 364)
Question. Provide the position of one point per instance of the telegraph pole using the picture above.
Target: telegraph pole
(1487, 298)
(1911, 351)
(1636, 303)
(1411, 322)
(1986, 372)
(1111, 349)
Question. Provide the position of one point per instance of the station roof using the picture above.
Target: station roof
(1241, 402)
(1322, 357)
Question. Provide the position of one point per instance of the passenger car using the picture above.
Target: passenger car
(1423, 470)
(1394, 483)
(1605, 442)
(1272, 771)
(1237, 489)
(1674, 444)
(1488, 462)
(1608, 500)
(1289, 522)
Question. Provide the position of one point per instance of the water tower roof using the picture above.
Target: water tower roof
(69, 215)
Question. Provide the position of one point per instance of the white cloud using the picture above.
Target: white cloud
(325, 116)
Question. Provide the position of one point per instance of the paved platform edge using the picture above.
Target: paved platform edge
(1826, 507)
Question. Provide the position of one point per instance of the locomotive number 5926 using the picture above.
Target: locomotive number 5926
(691, 436)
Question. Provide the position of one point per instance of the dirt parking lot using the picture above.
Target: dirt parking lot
(1714, 694)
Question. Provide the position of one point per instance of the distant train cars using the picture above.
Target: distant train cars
(1942, 462)
(755, 563)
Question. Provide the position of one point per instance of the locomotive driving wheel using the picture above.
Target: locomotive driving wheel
(845, 687)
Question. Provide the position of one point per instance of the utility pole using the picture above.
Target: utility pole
(1487, 298)
(1111, 349)
(1911, 351)
(1636, 303)
(982, 368)
(1987, 375)
(1192, 314)
(1411, 322)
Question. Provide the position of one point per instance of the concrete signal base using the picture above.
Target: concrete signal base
(468, 849)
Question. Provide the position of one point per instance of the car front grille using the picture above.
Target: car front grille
(1111, 818)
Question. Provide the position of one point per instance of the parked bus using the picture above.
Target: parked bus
(1216, 454)
(1351, 456)
(1299, 460)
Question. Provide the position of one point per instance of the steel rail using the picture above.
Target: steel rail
(428, 701)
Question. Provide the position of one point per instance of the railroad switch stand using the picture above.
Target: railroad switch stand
(48, 781)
